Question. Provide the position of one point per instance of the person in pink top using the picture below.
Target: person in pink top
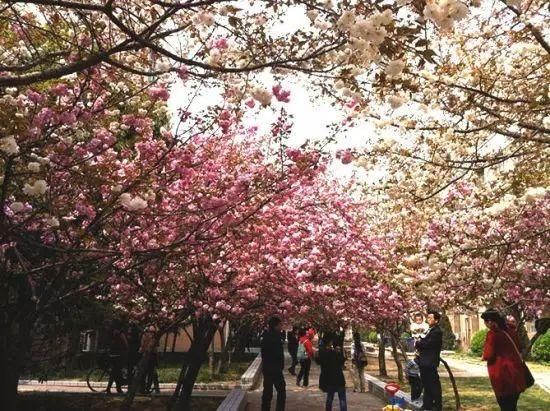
(305, 355)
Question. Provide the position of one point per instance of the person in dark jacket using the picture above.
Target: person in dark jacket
(504, 361)
(118, 349)
(429, 351)
(292, 339)
(332, 380)
(273, 363)
(134, 337)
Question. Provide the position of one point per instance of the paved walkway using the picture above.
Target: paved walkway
(471, 368)
(313, 399)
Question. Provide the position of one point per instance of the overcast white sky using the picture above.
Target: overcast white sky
(312, 115)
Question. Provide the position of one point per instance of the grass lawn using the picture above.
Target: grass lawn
(476, 394)
(466, 357)
(168, 371)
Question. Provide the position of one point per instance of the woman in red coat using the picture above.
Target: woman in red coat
(504, 361)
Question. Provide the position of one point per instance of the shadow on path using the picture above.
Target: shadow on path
(313, 399)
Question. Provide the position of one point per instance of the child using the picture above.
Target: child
(413, 375)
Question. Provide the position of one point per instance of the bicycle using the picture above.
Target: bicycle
(98, 377)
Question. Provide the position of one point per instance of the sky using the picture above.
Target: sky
(311, 114)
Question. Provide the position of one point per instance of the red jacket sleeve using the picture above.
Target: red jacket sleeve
(489, 352)
(309, 348)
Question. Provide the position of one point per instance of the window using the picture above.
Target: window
(88, 340)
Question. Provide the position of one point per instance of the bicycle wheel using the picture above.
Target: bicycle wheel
(97, 379)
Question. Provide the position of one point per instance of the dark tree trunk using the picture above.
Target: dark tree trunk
(138, 378)
(382, 354)
(211, 366)
(396, 359)
(202, 339)
(223, 361)
(15, 346)
(229, 347)
(515, 311)
(453, 382)
(136, 382)
(9, 379)
(242, 336)
(74, 349)
(181, 378)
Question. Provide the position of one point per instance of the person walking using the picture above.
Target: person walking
(133, 349)
(429, 351)
(273, 363)
(149, 346)
(305, 355)
(504, 362)
(332, 380)
(359, 360)
(292, 339)
(118, 348)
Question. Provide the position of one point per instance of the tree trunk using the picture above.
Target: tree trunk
(9, 379)
(202, 339)
(382, 355)
(15, 347)
(211, 366)
(229, 347)
(396, 359)
(243, 336)
(222, 362)
(181, 377)
(135, 383)
(453, 382)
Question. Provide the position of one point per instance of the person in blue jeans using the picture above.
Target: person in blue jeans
(332, 380)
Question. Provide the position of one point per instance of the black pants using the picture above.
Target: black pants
(276, 380)
(116, 372)
(151, 377)
(432, 389)
(508, 402)
(294, 355)
(305, 365)
(133, 359)
(416, 387)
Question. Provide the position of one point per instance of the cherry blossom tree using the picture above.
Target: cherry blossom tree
(495, 255)
(208, 38)
(198, 221)
(462, 136)
(65, 162)
(176, 227)
(267, 237)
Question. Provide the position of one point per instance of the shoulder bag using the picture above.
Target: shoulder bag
(529, 379)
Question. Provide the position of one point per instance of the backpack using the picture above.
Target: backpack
(301, 355)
